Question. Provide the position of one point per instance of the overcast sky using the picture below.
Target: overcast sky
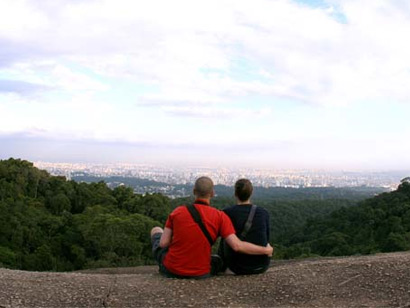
(278, 83)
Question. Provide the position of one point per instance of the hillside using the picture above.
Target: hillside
(49, 223)
(367, 281)
(378, 224)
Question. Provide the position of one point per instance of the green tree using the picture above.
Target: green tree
(156, 206)
(395, 242)
(7, 257)
(123, 194)
(59, 203)
(41, 260)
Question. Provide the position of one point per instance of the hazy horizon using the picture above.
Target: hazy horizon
(302, 84)
(179, 165)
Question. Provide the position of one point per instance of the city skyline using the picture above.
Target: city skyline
(278, 84)
(264, 177)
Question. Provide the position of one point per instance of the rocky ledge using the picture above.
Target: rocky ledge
(367, 281)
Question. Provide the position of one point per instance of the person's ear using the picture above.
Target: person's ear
(213, 193)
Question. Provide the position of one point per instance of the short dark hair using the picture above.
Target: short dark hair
(243, 189)
(203, 187)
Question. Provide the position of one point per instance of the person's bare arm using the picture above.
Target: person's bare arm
(248, 248)
(166, 238)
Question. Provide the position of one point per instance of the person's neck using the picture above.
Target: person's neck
(239, 202)
(207, 200)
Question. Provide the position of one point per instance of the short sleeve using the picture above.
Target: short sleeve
(170, 221)
(226, 228)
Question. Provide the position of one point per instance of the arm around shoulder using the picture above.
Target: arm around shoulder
(245, 247)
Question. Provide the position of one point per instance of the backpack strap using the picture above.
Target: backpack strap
(248, 223)
(197, 218)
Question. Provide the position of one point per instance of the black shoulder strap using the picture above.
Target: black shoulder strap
(197, 218)
(248, 223)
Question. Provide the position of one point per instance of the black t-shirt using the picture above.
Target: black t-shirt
(258, 234)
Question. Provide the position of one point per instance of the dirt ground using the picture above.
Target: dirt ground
(367, 281)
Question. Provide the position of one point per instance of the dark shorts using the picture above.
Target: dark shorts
(159, 256)
(158, 252)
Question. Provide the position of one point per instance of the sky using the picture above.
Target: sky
(264, 83)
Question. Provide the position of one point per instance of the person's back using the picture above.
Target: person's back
(183, 248)
(189, 253)
(257, 234)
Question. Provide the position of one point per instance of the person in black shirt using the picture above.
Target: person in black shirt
(258, 233)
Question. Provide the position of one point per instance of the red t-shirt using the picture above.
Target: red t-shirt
(189, 253)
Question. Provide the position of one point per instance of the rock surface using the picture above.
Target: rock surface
(368, 281)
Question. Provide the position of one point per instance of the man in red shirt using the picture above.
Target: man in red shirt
(182, 250)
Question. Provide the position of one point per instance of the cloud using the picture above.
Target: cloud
(308, 54)
(67, 79)
(137, 71)
(314, 153)
(41, 135)
(215, 113)
(20, 87)
(51, 75)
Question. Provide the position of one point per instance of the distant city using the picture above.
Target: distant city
(225, 176)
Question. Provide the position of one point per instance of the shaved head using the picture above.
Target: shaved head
(204, 187)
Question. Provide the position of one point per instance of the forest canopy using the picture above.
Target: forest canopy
(378, 224)
(49, 223)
